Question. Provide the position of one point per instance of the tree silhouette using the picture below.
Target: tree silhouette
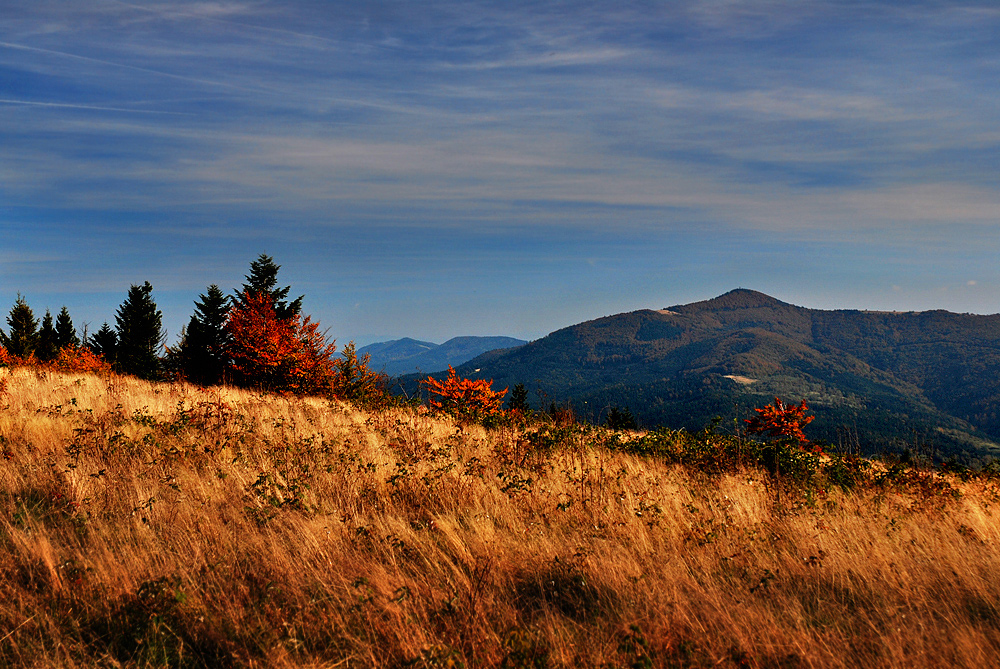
(202, 355)
(104, 343)
(48, 347)
(518, 401)
(65, 332)
(620, 419)
(23, 337)
(263, 279)
(140, 334)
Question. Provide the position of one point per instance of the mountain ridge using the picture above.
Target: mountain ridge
(411, 356)
(876, 379)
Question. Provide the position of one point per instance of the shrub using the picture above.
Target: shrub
(69, 359)
(465, 399)
(712, 453)
(846, 471)
(781, 422)
(356, 382)
(79, 359)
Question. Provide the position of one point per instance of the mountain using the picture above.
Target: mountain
(387, 352)
(875, 380)
(410, 356)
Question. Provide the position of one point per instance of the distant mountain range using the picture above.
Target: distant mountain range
(410, 356)
(874, 380)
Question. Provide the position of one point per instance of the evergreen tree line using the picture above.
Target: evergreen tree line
(27, 339)
(256, 337)
(132, 347)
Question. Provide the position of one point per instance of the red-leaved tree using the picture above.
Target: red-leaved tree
(6, 359)
(466, 399)
(781, 421)
(271, 353)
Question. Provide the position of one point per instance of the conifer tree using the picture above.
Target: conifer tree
(263, 279)
(23, 337)
(203, 353)
(104, 343)
(140, 333)
(354, 380)
(65, 332)
(519, 400)
(620, 419)
(47, 348)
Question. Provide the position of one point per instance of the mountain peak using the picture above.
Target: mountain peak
(740, 298)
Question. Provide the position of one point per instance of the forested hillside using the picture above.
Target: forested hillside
(876, 380)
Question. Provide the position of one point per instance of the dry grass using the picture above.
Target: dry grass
(158, 525)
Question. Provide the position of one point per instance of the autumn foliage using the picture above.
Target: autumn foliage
(462, 398)
(272, 353)
(254, 339)
(79, 359)
(355, 381)
(781, 421)
(69, 359)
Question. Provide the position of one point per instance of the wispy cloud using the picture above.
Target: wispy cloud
(124, 66)
(225, 14)
(63, 105)
(551, 59)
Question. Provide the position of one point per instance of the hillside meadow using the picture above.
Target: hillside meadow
(152, 524)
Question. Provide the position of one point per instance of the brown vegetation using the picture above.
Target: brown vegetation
(145, 524)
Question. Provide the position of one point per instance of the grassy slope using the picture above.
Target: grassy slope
(161, 524)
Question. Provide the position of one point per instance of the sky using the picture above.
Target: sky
(435, 169)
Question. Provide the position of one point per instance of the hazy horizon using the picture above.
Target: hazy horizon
(484, 168)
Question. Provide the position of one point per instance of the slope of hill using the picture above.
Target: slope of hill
(875, 379)
(168, 525)
(410, 356)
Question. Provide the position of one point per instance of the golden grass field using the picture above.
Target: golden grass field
(165, 525)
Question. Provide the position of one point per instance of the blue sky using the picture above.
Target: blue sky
(432, 169)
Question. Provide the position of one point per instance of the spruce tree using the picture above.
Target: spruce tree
(47, 348)
(203, 353)
(65, 332)
(23, 337)
(104, 343)
(620, 419)
(140, 333)
(263, 278)
(519, 400)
